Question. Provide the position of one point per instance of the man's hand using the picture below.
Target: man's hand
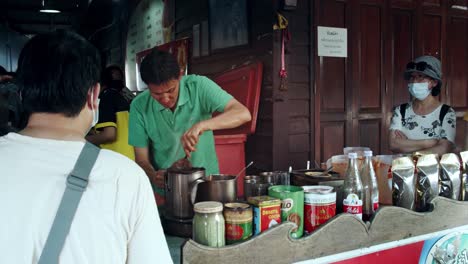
(191, 137)
(157, 178)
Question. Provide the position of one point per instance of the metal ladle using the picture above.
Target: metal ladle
(248, 165)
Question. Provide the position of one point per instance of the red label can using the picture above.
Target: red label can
(319, 206)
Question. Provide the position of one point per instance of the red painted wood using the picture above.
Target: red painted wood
(230, 150)
(402, 255)
(244, 84)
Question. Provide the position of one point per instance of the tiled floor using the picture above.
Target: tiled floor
(174, 244)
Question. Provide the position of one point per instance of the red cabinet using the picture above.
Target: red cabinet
(244, 84)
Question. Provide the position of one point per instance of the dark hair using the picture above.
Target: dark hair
(107, 73)
(55, 72)
(436, 90)
(159, 67)
(107, 78)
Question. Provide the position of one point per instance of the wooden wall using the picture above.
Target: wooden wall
(355, 96)
(293, 121)
(259, 146)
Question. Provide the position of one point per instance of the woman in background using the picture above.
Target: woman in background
(424, 124)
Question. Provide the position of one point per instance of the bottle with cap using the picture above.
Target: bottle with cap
(352, 188)
(369, 186)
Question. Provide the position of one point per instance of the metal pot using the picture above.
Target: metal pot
(216, 187)
(178, 188)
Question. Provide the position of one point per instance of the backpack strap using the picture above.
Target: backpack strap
(77, 181)
(403, 112)
(443, 111)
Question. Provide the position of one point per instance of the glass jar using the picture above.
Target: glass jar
(208, 224)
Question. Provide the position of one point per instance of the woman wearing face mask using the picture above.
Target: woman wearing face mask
(424, 124)
(111, 121)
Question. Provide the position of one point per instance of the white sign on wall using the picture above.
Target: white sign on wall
(332, 42)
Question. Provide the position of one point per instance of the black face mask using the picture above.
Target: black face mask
(116, 84)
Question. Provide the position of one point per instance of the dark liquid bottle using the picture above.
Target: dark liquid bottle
(369, 185)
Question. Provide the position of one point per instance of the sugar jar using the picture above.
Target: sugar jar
(208, 224)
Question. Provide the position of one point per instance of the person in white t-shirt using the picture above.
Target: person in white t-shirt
(424, 124)
(116, 220)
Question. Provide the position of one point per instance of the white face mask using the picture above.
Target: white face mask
(96, 114)
(419, 90)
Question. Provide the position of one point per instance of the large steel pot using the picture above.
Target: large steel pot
(178, 188)
(216, 187)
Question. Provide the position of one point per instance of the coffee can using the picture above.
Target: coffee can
(292, 205)
(319, 206)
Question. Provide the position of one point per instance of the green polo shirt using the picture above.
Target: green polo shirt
(151, 125)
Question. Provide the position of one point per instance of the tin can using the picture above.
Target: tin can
(266, 212)
(319, 206)
(238, 219)
(292, 205)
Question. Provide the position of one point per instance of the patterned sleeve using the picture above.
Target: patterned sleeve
(449, 126)
(396, 119)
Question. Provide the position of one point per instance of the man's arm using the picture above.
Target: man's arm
(142, 158)
(106, 135)
(234, 115)
(399, 143)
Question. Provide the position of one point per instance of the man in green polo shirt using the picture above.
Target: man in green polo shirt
(173, 118)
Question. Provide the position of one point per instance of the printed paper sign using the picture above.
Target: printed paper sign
(332, 42)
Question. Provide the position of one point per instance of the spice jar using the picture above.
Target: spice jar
(238, 218)
(208, 224)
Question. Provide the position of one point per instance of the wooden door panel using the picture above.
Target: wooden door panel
(370, 132)
(402, 53)
(332, 83)
(332, 90)
(332, 139)
(432, 2)
(462, 130)
(432, 37)
(332, 96)
(457, 85)
(407, 4)
(370, 61)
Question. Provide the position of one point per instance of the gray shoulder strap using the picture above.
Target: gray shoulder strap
(77, 181)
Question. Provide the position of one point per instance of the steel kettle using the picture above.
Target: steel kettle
(178, 185)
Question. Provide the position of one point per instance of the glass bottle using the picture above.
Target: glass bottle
(352, 188)
(208, 224)
(370, 197)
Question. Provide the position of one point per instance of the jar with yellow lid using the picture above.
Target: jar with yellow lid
(208, 224)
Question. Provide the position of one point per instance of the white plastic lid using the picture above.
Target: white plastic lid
(352, 155)
(367, 153)
(208, 207)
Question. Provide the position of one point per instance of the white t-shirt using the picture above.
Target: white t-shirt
(418, 127)
(116, 221)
